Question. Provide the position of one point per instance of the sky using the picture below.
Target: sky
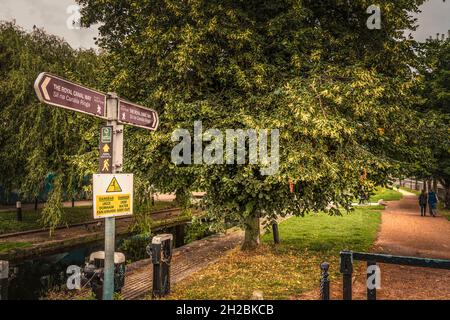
(53, 15)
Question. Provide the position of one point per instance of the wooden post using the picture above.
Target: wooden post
(73, 202)
(4, 273)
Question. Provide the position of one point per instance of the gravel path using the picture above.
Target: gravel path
(404, 232)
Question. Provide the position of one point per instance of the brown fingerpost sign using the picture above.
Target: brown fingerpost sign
(138, 116)
(61, 93)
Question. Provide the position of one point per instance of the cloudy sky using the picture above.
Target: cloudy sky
(53, 15)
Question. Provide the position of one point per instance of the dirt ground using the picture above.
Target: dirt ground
(404, 232)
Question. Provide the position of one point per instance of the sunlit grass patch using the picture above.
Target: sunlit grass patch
(385, 194)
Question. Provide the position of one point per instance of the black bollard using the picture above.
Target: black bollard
(324, 282)
(180, 233)
(35, 204)
(19, 211)
(160, 251)
(276, 234)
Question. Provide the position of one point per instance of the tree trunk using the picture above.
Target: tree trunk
(252, 232)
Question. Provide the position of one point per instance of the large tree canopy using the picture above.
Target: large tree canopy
(36, 140)
(339, 93)
(435, 107)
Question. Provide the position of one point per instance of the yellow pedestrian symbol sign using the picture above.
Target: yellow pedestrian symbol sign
(114, 186)
(105, 165)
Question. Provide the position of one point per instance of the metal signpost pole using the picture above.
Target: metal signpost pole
(61, 93)
(110, 224)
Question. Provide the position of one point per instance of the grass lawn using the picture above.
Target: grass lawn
(290, 269)
(416, 192)
(385, 194)
(8, 222)
(13, 245)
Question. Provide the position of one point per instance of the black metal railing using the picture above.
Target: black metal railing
(346, 268)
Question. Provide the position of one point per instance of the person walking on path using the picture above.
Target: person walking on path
(432, 202)
(423, 203)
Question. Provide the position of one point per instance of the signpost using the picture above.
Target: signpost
(61, 93)
(138, 116)
(113, 192)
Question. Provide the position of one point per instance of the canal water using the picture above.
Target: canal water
(31, 279)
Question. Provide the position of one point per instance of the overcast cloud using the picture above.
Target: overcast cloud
(52, 16)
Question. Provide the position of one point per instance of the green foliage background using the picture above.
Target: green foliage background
(348, 101)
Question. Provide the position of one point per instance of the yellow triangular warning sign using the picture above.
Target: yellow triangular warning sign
(114, 186)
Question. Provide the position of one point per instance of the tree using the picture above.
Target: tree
(37, 140)
(435, 106)
(339, 93)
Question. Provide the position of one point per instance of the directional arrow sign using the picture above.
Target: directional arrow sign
(61, 93)
(138, 116)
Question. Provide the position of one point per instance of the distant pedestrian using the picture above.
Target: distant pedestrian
(423, 203)
(432, 202)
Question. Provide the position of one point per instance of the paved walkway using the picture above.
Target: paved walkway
(404, 232)
(185, 261)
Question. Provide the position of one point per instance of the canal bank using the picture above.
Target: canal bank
(43, 267)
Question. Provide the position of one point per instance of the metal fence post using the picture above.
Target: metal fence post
(347, 271)
(4, 273)
(371, 292)
(324, 282)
